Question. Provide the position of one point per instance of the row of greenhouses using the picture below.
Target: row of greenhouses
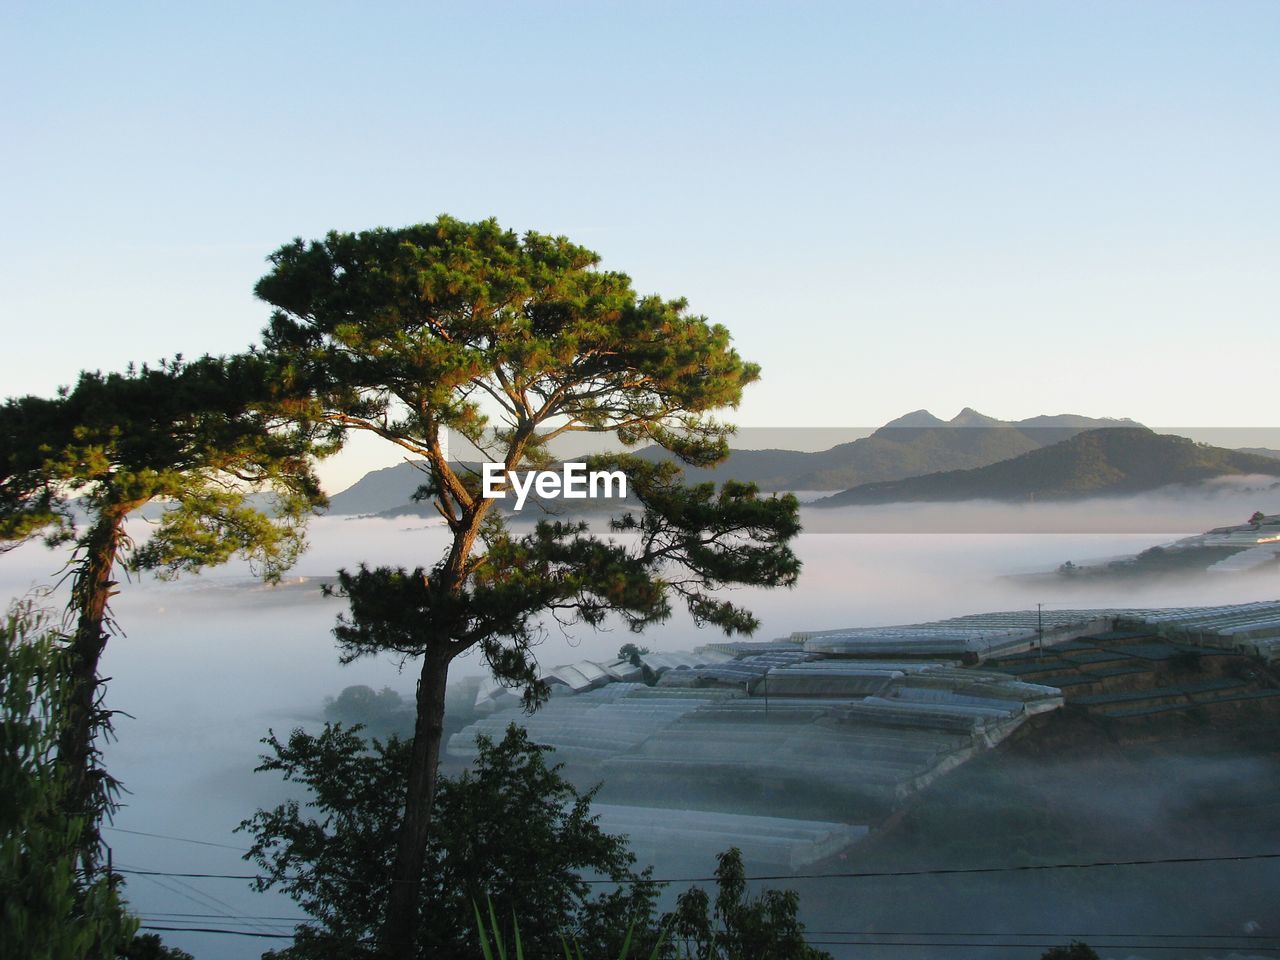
(1253, 627)
(762, 741)
(699, 835)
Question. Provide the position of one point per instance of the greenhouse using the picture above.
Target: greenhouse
(658, 836)
(660, 663)
(1250, 559)
(591, 726)
(863, 729)
(769, 738)
(1252, 628)
(969, 638)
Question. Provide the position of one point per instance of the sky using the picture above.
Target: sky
(1023, 208)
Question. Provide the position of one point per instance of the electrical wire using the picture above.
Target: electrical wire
(165, 836)
(853, 875)
(161, 917)
(207, 900)
(179, 917)
(233, 933)
(1052, 933)
(984, 940)
(987, 945)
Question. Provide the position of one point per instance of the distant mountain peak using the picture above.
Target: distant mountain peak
(1108, 461)
(913, 445)
(1072, 420)
(969, 417)
(916, 419)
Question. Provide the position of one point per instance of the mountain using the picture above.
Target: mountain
(909, 446)
(1107, 462)
(969, 417)
(917, 419)
(914, 444)
(1261, 452)
(380, 490)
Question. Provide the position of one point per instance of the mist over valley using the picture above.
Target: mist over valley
(206, 665)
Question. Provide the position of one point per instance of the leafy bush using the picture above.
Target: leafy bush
(48, 908)
(383, 711)
(511, 829)
(737, 927)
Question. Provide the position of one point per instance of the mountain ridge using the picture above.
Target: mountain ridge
(1112, 461)
(911, 445)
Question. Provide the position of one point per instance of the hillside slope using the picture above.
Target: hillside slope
(380, 490)
(909, 446)
(1107, 462)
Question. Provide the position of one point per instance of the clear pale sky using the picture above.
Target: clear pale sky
(1021, 207)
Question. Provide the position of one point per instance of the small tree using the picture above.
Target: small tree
(197, 437)
(1257, 518)
(632, 653)
(511, 830)
(738, 927)
(402, 333)
(381, 712)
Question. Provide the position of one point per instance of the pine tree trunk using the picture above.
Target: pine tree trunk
(400, 928)
(91, 590)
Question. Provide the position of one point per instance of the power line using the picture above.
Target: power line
(233, 933)
(209, 900)
(250, 916)
(243, 933)
(854, 875)
(948, 871)
(987, 945)
(164, 917)
(169, 888)
(817, 943)
(165, 836)
(216, 919)
(1051, 933)
(161, 917)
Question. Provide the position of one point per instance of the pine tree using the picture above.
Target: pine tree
(201, 438)
(412, 332)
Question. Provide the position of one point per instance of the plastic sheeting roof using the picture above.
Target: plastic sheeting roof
(703, 834)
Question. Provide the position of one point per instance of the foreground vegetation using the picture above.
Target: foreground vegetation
(401, 333)
(513, 834)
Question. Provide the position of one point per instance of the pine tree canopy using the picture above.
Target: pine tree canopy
(200, 437)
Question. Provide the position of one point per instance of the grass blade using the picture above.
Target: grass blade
(515, 927)
(497, 931)
(662, 938)
(484, 940)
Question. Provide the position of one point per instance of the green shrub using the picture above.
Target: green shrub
(48, 909)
